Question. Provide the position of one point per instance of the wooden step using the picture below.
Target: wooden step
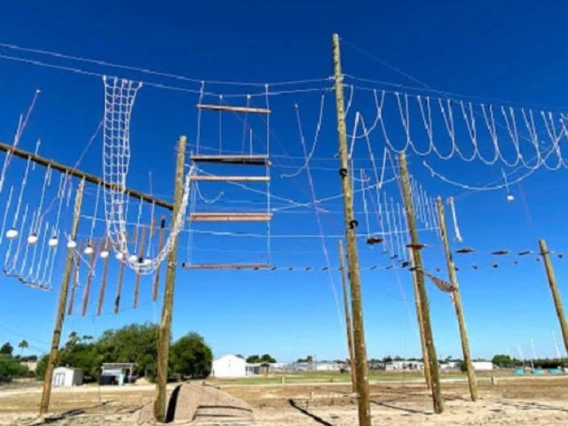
(227, 266)
(251, 160)
(234, 108)
(229, 217)
(231, 178)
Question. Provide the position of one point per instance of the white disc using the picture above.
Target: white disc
(119, 256)
(71, 244)
(32, 239)
(104, 254)
(89, 250)
(146, 261)
(53, 242)
(133, 258)
(510, 197)
(11, 234)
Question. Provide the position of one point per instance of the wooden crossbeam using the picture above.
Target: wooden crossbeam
(249, 160)
(232, 178)
(234, 108)
(227, 266)
(229, 217)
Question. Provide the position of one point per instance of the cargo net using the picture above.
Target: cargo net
(120, 95)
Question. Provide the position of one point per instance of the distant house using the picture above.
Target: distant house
(482, 365)
(229, 366)
(66, 376)
(450, 365)
(117, 373)
(404, 366)
(327, 366)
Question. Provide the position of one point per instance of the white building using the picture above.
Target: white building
(327, 366)
(65, 376)
(229, 366)
(482, 365)
(404, 366)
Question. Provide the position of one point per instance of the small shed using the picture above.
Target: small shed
(117, 373)
(482, 365)
(229, 366)
(66, 376)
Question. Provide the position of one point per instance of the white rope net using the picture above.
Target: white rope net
(120, 96)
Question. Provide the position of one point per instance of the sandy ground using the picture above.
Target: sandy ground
(514, 401)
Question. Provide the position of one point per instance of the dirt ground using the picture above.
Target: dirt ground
(511, 401)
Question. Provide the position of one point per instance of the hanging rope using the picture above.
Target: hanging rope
(457, 233)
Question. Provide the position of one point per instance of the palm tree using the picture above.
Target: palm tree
(23, 345)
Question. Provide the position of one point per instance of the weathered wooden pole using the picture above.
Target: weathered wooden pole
(104, 278)
(554, 289)
(419, 316)
(472, 380)
(348, 322)
(140, 259)
(52, 361)
(156, 285)
(165, 327)
(352, 256)
(419, 271)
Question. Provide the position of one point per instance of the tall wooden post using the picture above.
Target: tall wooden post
(165, 327)
(457, 301)
(419, 271)
(52, 361)
(420, 317)
(554, 289)
(348, 322)
(352, 256)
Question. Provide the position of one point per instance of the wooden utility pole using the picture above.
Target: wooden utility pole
(52, 361)
(420, 317)
(457, 301)
(419, 271)
(348, 322)
(554, 289)
(352, 256)
(165, 327)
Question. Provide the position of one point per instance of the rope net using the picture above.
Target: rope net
(120, 96)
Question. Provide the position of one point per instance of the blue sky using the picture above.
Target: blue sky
(507, 50)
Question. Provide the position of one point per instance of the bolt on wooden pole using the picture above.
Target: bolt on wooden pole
(166, 325)
(52, 361)
(348, 323)
(364, 407)
(555, 292)
(419, 271)
(472, 380)
(419, 316)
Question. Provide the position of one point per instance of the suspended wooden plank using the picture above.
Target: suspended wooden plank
(75, 279)
(160, 246)
(104, 278)
(211, 266)
(121, 278)
(251, 160)
(228, 108)
(140, 259)
(231, 178)
(89, 280)
(230, 217)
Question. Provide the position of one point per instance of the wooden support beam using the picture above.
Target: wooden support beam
(416, 246)
(167, 310)
(226, 266)
(472, 380)
(89, 279)
(233, 108)
(104, 278)
(140, 259)
(229, 217)
(249, 160)
(348, 322)
(363, 401)
(80, 174)
(554, 290)
(231, 178)
(56, 339)
(75, 279)
(156, 285)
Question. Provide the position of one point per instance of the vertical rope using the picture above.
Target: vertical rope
(457, 232)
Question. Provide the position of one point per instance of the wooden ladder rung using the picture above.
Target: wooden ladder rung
(252, 160)
(234, 108)
(232, 178)
(226, 266)
(229, 217)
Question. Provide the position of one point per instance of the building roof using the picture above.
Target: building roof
(119, 364)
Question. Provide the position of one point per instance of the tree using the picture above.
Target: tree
(253, 359)
(266, 358)
(10, 368)
(504, 361)
(191, 356)
(6, 349)
(23, 345)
